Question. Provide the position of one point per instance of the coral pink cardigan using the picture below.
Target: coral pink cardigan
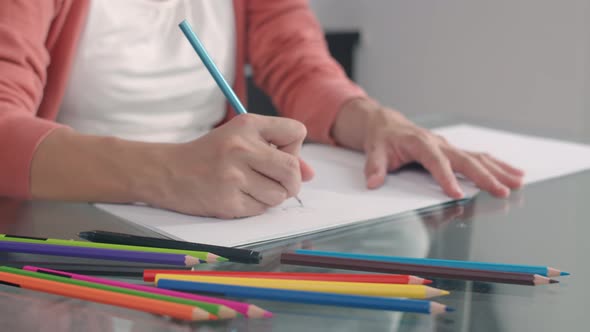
(281, 39)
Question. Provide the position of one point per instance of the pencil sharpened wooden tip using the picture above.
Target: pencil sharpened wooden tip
(226, 313)
(212, 258)
(412, 280)
(551, 272)
(257, 312)
(437, 308)
(432, 292)
(200, 314)
(191, 261)
(540, 280)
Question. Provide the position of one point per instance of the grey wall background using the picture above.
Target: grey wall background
(526, 61)
(523, 61)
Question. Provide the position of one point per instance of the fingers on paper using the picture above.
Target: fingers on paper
(376, 166)
(474, 170)
(437, 163)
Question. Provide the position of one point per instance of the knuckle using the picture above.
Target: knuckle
(245, 120)
(235, 144)
(232, 177)
(441, 139)
(418, 139)
(291, 163)
(483, 156)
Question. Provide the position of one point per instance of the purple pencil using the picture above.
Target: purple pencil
(99, 253)
(246, 309)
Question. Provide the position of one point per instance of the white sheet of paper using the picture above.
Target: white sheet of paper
(337, 196)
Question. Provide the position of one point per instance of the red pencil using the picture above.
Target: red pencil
(149, 276)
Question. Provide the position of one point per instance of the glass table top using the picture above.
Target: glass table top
(542, 224)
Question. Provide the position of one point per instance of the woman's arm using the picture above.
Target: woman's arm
(231, 172)
(291, 63)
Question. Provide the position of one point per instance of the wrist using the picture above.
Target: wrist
(352, 123)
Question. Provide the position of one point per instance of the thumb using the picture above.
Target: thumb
(376, 167)
(307, 172)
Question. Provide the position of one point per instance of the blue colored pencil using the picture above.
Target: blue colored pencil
(529, 269)
(99, 253)
(353, 301)
(212, 68)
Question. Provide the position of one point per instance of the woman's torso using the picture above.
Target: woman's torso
(136, 77)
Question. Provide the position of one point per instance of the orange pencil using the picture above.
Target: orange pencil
(149, 276)
(175, 310)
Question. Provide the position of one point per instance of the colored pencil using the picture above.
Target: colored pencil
(204, 256)
(351, 288)
(229, 93)
(530, 269)
(218, 310)
(246, 309)
(352, 301)
(211, 67)
(420, 270)
(98, 253)
(233, 254)
(175, 310)
(148, 276)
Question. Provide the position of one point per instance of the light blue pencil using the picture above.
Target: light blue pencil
(212, 68)
(530, 269)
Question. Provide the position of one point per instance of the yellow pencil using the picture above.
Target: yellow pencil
(351, 288)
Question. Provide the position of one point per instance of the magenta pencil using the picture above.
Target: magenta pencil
(246, 309)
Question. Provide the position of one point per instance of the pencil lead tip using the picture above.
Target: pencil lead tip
(563, 273)
(553, 281)
(449, 309)
(299, 200)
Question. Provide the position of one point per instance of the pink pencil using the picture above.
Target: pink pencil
(248, 310)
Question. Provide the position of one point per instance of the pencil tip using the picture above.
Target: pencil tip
(267, 314)
(426, 281)
(553, 281)
(563, 273)
(449, 309)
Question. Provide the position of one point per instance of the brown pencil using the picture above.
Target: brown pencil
(415, 269)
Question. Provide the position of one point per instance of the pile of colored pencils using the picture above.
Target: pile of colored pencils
(371, 291)
(177, 305)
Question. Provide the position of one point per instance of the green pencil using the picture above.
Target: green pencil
(220, 311)
(201, 255)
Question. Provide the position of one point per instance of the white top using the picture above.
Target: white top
(135, 75)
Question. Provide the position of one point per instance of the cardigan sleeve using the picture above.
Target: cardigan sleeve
(24, 57)
(291, 63)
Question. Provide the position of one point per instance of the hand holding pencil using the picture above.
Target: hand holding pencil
(268, 146)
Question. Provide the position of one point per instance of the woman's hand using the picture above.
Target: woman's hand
(391, 141)
(233, 171)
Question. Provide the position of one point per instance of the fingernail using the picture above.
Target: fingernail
(458, 191)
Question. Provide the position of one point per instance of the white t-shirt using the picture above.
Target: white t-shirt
(135, 75)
